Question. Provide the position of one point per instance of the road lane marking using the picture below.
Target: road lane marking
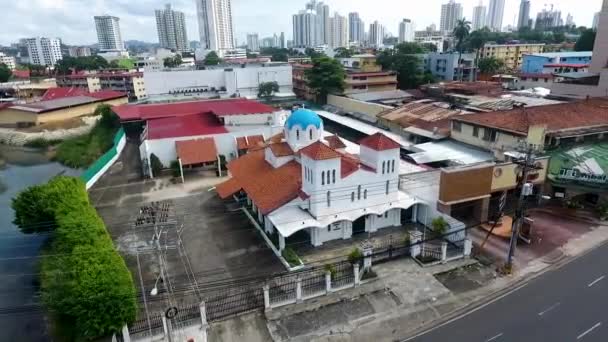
(495, 337)
(596, 280)
(588, 330)
(549, 309)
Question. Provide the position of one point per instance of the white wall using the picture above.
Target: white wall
(342, 190)
(251, 119)
(245, 81)
(164, 149)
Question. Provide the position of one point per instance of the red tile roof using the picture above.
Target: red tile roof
(104, 75)
(348, 166)
(216, 107)
(335, 142)
(21, 73)
(557, 117)
(228, 188)
(269, 188)
(185, 126)
(276, 138)
(196, 151)
(319, 151)
(106, 94)
(241, 143)
(252, 141)
(379, 142)
(281, 149)
(59, 93)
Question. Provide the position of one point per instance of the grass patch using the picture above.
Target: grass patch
(42, 143)
(291, 257)
(82, 151)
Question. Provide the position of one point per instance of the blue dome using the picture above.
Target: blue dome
(303, 118)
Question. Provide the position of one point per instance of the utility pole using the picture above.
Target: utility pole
(527, 164)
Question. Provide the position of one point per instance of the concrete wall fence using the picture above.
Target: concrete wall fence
(101, 165)
(356, 106)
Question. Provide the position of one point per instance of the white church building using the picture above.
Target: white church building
(304, 180)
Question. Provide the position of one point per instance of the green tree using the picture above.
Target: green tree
(461, 33)
(405, 60)
(326, 76)
(310, 52)
(5, 73)
(343, 52)
(490, 65)
(267, 89)
(276, 54)
(172, 62)
(477, 39)
(108, 118)
(212, 59)
(68, 64)
(586, 41)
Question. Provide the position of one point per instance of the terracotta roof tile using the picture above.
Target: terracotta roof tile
(196, 151)
(379, 142)
(269, 188)
(557, 117)
(241, 143)
(348, 166)
(228, 188)
(319, 151)
(281, 149)
(255, 140)
(276, 138)
(335, 142)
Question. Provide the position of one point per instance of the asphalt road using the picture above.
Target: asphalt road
(567, 304)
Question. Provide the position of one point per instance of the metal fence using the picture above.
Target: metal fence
(280, 293)
(344, 275)
(224, 305)
(313, 285)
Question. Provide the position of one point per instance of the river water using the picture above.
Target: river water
(20, 317)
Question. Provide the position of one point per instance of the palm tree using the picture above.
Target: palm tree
(461, 32)
(477, 39)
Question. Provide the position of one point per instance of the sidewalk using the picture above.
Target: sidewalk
(408, 302)
(405, 297)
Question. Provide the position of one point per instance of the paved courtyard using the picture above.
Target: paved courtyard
(206, 246)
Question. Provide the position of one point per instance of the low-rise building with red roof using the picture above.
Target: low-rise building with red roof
(58, 104)
(131, 83)
(236, 125)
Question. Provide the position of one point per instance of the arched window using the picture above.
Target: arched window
(359, 192)
(352, 196)
(328, 198)
(365, 194)
(383, 163)
(387, 187)
(393, 166)
(310, 133)
(297, 134)
(333, 176)
(322, 177)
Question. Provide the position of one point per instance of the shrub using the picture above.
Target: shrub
(440, 226)
(85, 283)
(291, 257)
(406, 240)
(156, 165)
(41, 143)
(331, 268)
(175, 171)
(82, 151)
(355, 256)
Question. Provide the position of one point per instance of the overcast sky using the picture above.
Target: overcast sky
(72, 20)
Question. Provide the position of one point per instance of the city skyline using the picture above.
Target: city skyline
(71, 20)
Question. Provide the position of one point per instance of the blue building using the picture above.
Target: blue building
(534, 63)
